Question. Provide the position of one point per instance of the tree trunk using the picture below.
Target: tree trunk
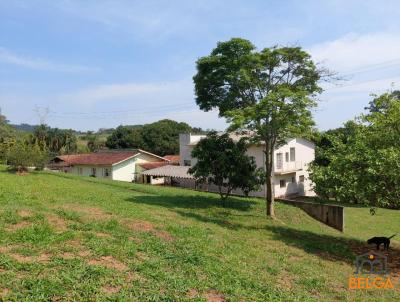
(270, 197)
(221, 194)
(269, 155)
(225, 196)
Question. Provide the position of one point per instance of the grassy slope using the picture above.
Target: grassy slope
(86, 239)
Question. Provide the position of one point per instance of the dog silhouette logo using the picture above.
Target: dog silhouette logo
(371, 263)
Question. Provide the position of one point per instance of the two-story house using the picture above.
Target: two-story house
(291, 161)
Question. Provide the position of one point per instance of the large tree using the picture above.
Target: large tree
(223, 162)
(359, 163)
(161, 137)
(268, 93)
(125, 137)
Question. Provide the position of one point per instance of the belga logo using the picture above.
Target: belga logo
(370, 264)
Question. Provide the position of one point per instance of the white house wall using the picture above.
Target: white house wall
(129, 170)
(304, 155)
(124, 171)
(185, 150)
(145, 158)
(86, 170)
(257, 152)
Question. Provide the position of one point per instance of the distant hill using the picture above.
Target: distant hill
(24, 127)
(31, 128)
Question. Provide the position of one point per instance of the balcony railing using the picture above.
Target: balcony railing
(287, 167)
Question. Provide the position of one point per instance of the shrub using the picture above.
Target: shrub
(21, 155)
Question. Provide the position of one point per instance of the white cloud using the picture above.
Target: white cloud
(137, 93)
(368, 62)
(105, 106)
(9, 57)
(133, 103)
(354, 52)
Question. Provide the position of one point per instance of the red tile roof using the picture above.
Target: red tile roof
(152, 165)
(172, 158)
(101, 158)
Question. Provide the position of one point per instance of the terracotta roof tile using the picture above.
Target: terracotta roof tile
(101, 158)
(172, 158)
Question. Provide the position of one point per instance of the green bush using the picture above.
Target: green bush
(22, 155)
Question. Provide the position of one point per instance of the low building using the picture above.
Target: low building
(171, 175)
(146, 179)
(143, 178)
(115, 165)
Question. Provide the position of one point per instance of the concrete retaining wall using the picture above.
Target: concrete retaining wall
(331, 215)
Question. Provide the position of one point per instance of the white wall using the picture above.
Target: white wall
(304, 154)
(185, 150)
(86, 170)
(257, 152)
(124, 171)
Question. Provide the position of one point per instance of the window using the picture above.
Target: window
(80, 171)
(287, 156)
(106, 172)
(93, 171)
(282, 183)
(187, 162)
(279, 162)
(292, 154)
(301, 178)
(293, 179)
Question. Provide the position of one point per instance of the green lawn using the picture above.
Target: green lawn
(70, 238)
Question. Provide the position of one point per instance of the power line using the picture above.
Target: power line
(366, 68)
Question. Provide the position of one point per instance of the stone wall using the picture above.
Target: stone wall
(331, 215)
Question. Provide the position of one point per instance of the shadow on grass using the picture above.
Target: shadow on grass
(334, 248)
(325, 246)
(220, 221)
(331, 247)
(193, 202)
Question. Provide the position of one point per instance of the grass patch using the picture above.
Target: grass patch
(72, 238)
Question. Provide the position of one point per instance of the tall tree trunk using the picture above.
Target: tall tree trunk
(270, 200)
(270, 197)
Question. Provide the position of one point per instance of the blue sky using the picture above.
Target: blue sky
(104, 63)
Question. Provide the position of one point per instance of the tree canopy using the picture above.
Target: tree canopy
(54, 140)
(223, 162)
(268, 92)
(6, 131)
(161, 137)
(361, 160)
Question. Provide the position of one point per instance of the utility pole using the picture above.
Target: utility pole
(42, 113)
